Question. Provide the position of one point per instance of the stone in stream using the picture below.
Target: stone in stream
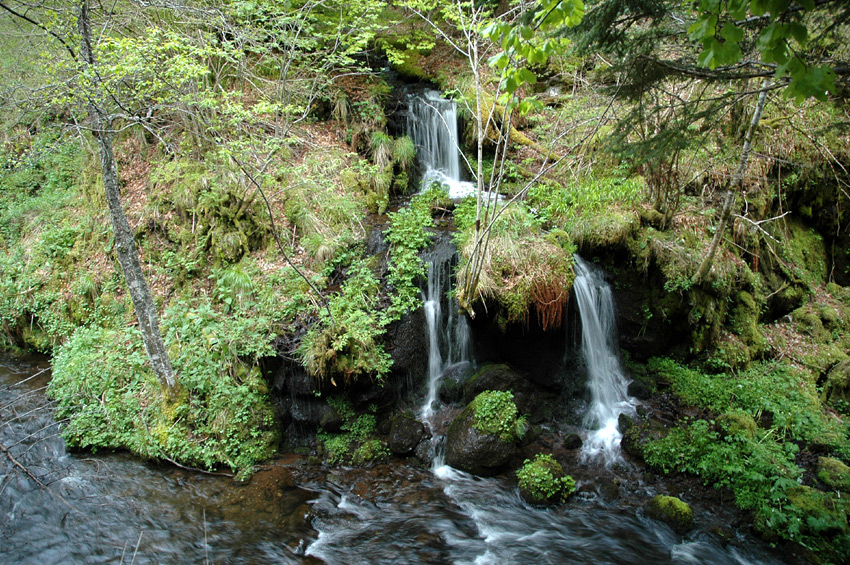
(406, 432)
(479, 452)
(672, 511)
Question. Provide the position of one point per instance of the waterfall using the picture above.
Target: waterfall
(432, 125)
(606, 380)
(449, 343)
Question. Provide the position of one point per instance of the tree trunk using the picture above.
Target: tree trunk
(734, 189)
(125, 245)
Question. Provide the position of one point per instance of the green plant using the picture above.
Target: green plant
(495, 413)
(543, 480)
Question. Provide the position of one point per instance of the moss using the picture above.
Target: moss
(834, 474)
(738, 422)
(543, 481)
(821, 513)
(743, 321)
(806, 253)
(807, 320)
(672, 511)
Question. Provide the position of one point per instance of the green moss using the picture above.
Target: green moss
(834, 474)
(743, 321)
(672, 511)
(543, 481)
(805, 252)
(738, 422)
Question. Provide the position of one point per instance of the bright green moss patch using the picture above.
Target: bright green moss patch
(672, 511)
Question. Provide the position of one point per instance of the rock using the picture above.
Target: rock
(672, 511)
(452, 384)
(573, 441)
(406, 433)
(330, 420)
(474, 451)
(609, 488)
(738, 422)
(640, 390)
(834, 474)
(504, 378)
(424, 452)
(837, 385)
(624, 423)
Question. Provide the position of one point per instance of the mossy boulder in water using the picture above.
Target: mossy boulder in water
(672, 511)
(542, 481)
(482, 438)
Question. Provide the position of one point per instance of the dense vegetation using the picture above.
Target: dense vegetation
(256, 151)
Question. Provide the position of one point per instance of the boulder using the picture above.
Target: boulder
(672, 511)
(471, 450)
(834, 474)
(542, 481)
(453, 380)
(573, 441)
(406, 432)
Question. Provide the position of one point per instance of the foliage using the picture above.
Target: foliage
(112, 400)
(347, 342)
(767, 387)
(357, 443)
(495, 413)
(543, 479)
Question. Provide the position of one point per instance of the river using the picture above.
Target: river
(112, 507)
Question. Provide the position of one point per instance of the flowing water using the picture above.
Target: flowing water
(432, 125)
(607, 382)
(114, 508)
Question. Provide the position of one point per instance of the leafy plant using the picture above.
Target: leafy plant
(543, 480)
(495, 413)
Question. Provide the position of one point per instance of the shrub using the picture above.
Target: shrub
(495, 413)
(542, 480)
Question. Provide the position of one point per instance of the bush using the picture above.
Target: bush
(495, 413)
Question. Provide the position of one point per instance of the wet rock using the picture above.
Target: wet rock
(424, 452)
(573, 441)
(406, 432)
(330, 420)
(624, 423)
(672, 511)
(609, 488)
(473, 451)
(454, 378)
(542, 481)
(639, 390)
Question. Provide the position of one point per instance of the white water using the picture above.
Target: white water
(432, 125)
(606, 380)
(448, 336)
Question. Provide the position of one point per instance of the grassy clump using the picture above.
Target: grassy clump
(542, 480)
(495, 413)
(521, 268)
(222, 416)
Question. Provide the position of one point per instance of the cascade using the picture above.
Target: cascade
(432, 125)
(448, 333)
(606, 380)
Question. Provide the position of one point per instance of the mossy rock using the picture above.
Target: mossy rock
(743, 321)
(837, 385)
(834, 474)
(672, 511)
(542, 481)
(405, 434)
(822, 514)
(36, 339)
(807, 320)
(738, 422)
(482, 438)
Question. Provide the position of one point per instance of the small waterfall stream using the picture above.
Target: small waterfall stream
(449, 347)
(432, 125)
(606, 380)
